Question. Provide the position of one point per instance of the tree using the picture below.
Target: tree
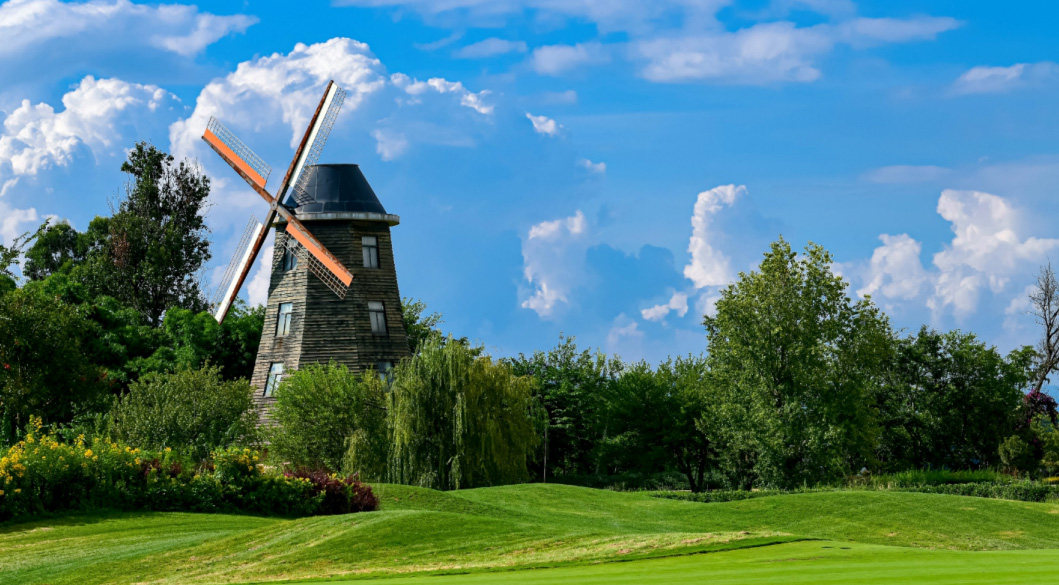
(45, 368)
(949, 401)
(418, 326)
(802, 360)
(60, 246)
(654, 421)
(571, 387)
(319, 409)
(460, 420)
(9, 257)
(156, 243)
(193, 410)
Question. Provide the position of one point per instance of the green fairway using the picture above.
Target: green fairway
(493, 533)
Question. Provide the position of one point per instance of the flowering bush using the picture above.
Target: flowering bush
(338, 495)
(42, 474)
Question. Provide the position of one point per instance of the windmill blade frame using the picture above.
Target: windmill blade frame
(238, 267)
(254, 171)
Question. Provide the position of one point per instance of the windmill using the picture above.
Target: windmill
(316, 209)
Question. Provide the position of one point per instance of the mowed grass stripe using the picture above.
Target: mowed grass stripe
(801, 563)
(420, 530)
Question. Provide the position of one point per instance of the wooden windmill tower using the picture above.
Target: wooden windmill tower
(328, 223)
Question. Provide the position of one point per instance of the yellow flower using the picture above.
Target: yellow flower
(18, 490)
(168, 450)
(137, 461)
(1, 492)
(88, 453)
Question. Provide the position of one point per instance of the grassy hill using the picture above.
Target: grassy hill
(863, 537)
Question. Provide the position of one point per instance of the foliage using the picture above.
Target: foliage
(949, 401)
(194, 411)
(799, 362)
(156, 243)
(320, 410)
(9, 255)
(418, 326)
(193, 340)
(340, 495)
(41, 474)
(654, 421)
(570, 387)
(45, 368)
(60, 247)
(459, 420)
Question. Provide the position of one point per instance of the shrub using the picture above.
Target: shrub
(319, 408)
(339, 495)
(194, 411)
(41, 474)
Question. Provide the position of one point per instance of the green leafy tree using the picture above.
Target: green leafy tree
(418, 325)
(156, 243)
(45, 368)
(319, 410)
(571, 388)
(950, 400)
(803, 361)
(59, 246)
(193, 340)
(460, 420)
(193, 410)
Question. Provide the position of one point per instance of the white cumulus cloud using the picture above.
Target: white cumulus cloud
(895, 270)
(710, 266)
(553, 262)
(677, 303)
(95, 115)
(593, 167)
(559, 59)
(490, 47)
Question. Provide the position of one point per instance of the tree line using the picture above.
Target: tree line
(798, 384)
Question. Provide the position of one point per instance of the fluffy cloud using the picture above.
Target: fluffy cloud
(553, 262)
(65, 38)
(677, 303)
(988, 253)
(95, 114)
(544, 125)
(983, 79)
(490, 47)
(709, 265)
(284, 88)
(895, 269)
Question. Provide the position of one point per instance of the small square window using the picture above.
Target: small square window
(286, 310)
(377, 313)
(275, 376)
(370, 247)
(290, 260)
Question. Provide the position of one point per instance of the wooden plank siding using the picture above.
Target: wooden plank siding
(323, 326)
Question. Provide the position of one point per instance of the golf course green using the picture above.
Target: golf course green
(537, 534)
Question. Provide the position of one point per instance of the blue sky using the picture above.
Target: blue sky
(599, 168)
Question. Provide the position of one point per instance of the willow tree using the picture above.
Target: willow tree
(460, 420)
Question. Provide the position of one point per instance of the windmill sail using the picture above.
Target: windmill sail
(332, 105)
(245, 160)
(253, 169)
(237, 267)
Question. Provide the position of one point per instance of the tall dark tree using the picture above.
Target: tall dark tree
(157, 239)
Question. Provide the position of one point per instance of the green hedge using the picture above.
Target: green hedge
(42, 474)
(1023, 491)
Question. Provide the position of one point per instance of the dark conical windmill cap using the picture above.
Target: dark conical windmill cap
(340, 191)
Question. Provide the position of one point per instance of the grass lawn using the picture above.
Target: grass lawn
(571, 534)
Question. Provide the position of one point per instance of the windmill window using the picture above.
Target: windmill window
(377, 313)
(275, 376)
(290, 261)
(286, 311)
(384, 369)
(370, 247)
